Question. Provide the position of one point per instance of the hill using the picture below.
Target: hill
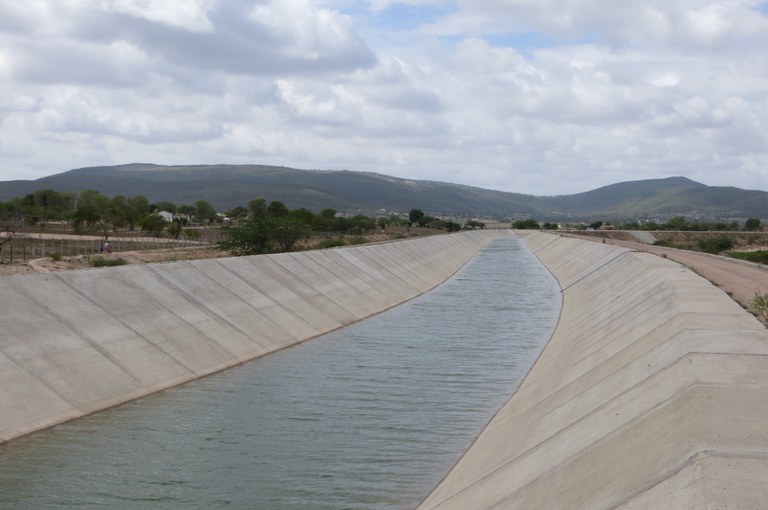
(227, 186)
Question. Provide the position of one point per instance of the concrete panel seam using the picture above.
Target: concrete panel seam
(695, 457)
(598, 268)
(71, 327)
(297, 317)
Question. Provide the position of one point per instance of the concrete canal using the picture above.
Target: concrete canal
(371, 416)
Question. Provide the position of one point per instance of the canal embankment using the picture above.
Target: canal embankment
(76, 342)
(650, 394)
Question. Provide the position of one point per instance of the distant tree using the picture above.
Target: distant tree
(85, 217)
(361, 223)
(164, 205)
(430, 221)
(250, 238)
(192, 234)
(325, 220)
(715, 244)
(258, 208)
(302, 215)
(237, 214)
(152, 224)
(204, 211)
(415, 217)
(676, 223)
(174, 228)
(328, 214)
(138, 206)
(452, 226)
(752, 224)
(188, 210)
(286, 232)
(118, 212)
(530, 223)
(53, 204)
(474, 224)
(277, 209)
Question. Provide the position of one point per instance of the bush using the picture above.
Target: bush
(760, 257)
(715, 244)
(102, 262)
(56, 256)
(760, 306)
(330, 243)
(358, 240)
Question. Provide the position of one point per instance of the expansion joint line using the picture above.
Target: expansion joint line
(557, 238)
(598, 268)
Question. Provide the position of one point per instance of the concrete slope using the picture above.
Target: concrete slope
(650, 394)
(76, 342)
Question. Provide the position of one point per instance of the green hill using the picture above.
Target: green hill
(227, 186)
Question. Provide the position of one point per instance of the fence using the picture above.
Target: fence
(20, 248)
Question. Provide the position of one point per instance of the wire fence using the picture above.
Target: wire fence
(22, 248)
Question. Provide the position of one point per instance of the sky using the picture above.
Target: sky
(544, 97)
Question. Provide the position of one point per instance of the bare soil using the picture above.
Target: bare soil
(173, 254)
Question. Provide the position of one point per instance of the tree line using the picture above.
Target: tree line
(681, 223)
(270, 228)
(678, 223)
(89, 211)
(262, 227)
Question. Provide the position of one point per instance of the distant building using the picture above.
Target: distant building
(182, 217)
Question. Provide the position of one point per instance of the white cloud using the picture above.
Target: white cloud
(187, 14)
(536, 96)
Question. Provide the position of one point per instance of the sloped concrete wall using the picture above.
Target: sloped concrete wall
(76, 342)
(650, 394)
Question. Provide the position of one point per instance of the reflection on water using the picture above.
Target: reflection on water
(368, 417)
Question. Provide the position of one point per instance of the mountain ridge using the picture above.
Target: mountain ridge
(227, 186)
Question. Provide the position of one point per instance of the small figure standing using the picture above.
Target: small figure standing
(108, 247)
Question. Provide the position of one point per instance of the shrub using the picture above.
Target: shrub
(358, 240)
(56, 256)
(102, 262)
(760, 306)
(330, 243)
(715, 244)
(761, 257)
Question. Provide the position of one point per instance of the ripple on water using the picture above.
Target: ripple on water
(367, 417)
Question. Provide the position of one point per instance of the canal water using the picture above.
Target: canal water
(371, 416)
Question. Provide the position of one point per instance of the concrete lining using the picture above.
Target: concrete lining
(76, 342)
(650, 394)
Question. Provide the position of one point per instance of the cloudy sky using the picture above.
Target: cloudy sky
(533, 96)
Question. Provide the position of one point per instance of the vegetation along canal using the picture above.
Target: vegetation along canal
(367, 417)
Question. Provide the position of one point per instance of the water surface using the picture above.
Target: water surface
(368, 417)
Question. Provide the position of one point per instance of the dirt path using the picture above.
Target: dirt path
(47, 265)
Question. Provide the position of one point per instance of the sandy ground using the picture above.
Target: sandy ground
(47, 265)
(171, 254)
